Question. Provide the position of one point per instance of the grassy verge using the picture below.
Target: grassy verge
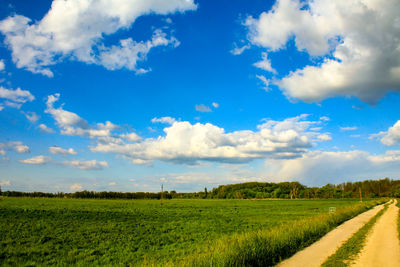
(350, 249)
(398, 219)
(270, 246)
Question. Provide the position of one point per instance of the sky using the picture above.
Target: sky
(128, 95)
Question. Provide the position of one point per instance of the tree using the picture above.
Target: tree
(205, 192)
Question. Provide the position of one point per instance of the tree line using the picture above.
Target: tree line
(285, 190)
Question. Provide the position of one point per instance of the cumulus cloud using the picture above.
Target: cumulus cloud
(167, 120)
(324, 118)
(31, 116)
(391, 137)
(14, 98)
(5, 182)
(348, 128)
(265, 81)
(215, 105)
(359, 41)
(76, 187)
(45, 129)
(187, 143)
(17, 146)
(130, 137)
(319, 168)
(324, 137)
(265, 64)
(202, 108)
(61, 151)
(65, 119)
(72, 124)
(86, 165)
(76, 29)
(2, 65)
(38, 160)
(128, 53)
(239, 50)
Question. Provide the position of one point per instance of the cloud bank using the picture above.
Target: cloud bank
(76, 29)
(358, 40)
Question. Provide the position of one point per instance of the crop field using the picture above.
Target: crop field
(41, 231)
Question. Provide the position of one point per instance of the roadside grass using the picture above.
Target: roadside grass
(352, 247)
(268, 247)
(398, 218)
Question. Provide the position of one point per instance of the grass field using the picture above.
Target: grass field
(39, 231)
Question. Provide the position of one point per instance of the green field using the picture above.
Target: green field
(40, 231)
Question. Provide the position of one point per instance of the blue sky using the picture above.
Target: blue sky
(123, 96)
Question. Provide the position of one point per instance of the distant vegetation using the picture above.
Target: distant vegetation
(286, 190)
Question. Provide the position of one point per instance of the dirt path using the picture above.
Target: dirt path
(382, 246)
(318, 252)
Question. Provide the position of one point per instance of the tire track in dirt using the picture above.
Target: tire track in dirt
(317, 253)
(382, 246)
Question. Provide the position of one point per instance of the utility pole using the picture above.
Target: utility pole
(162, 193)
(360, 194)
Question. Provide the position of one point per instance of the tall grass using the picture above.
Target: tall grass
(269, 246)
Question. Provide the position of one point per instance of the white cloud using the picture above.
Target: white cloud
(64, 119)
(71, 124)
(129, 52)
(187, 143)
(215, 105)
(167, 120)
(265, 81)
(20, 148)
(2, 65)
(5, 182)
(61, 151)
(76, 187)
(75, 29)
(239, 50)
(265, 64)
(17, 146)
(202, 108)
(112, 183)
(31, 116)
(389, 156)
(319, 168)
(316, 129)
(360, 40)
(86, 165)
(324, 118)
(391, 137)
(14, 98)
(324, 137)
(36, 160)
(348, 128)
(131, 137)
(45, 129)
